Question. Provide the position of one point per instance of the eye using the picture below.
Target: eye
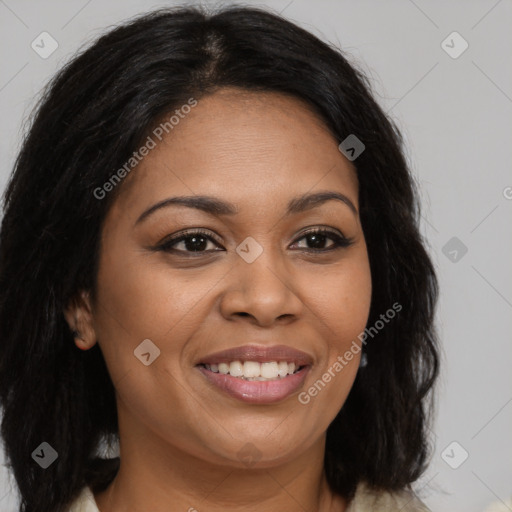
(196, 241)
(191, 241)
(319, 236)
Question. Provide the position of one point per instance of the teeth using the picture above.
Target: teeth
(236, 369)
(252, 370)
(269, 370)
(224, 368)
(283, 369)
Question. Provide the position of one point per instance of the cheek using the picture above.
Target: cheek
(141, 298)
(353, 298)
(130, 309)
(341, 299)
(357, 286)
(343, 303)
(138, 301)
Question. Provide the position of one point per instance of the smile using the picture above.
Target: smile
(256, 389)
(256, 374)
(252, 370)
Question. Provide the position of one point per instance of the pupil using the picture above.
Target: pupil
(317, 240)
(197, 243)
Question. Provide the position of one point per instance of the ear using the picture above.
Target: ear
(78, 315)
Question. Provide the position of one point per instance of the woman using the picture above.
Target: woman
(210, 252)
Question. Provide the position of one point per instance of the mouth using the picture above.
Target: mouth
(256, 374)
(255, 371)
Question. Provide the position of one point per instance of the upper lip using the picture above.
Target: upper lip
(259, 354)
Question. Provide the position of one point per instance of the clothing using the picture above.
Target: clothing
(85, 502)
(364, 501)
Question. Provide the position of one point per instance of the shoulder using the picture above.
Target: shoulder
(366, 500)
(84, 502)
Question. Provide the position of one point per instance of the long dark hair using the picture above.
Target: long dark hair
(94, 114)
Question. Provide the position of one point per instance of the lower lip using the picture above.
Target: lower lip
(257, 391)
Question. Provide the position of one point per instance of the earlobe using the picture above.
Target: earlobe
(78, 315)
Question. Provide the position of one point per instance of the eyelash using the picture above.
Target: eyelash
(339, 241)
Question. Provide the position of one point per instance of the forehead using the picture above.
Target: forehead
(252, 148)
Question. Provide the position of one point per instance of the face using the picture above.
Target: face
(281, 282)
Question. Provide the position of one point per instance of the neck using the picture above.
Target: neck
(157, 476)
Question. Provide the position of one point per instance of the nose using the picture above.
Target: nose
(262, 292)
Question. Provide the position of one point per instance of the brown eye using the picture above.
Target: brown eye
(191, 242)
(201, 242)
(317, 238)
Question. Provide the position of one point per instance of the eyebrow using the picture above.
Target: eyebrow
(217, 207)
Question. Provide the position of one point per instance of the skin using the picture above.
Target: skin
(179, 435)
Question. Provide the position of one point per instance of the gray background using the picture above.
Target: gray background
(455, 114)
